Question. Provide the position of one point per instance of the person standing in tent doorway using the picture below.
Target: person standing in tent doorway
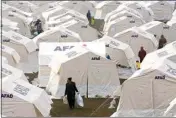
(38, 24)
(70, 92)
(162, 42)
(142, 53)
(89, 16)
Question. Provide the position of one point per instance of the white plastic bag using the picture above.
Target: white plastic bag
(79, 100)
(65, 101)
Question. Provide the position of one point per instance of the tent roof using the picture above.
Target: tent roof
(8, 22)
(117, 45)
(113, 42)
(11, 72)
(62, 28)
(50, 11)
(106, 28)
(101, 4)
(47, 50)
(150, 25)
(12, 52)
(71, 13)
(121, 8)
(29, 93)
(18, 38)
(139, 32)
(16, 9)
(128, 14)
(60, 58)
(163, 65)
(27, 19)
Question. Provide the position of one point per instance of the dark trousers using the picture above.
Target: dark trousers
(71, 101)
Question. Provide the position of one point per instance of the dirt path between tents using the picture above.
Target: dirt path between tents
(61, 110)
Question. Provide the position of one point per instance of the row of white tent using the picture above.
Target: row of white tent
(151, 90)
(18, 95)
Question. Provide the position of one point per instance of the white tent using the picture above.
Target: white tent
(171, 110)
(23, 45)
(120, 9)
(104, 7)
(136, 38)
(57, 34)
(149, 91)
(154, 27)
(47, 50)
(99, 73)
(80, 6)
(10, 72)
(128, 14)
(22, 18)
(26, 99)
(162, 10)
(11, 55)
(119, 52)
(9, 25)
(25, 6)
(64, 17)
(146, 13)
(170, 31)
(4, 60)
(174, 13)
(119, 25)
(167, 52)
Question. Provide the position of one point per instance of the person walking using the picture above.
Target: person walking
(89, 16)
(142, 53)
(70, 92)
(162, 42)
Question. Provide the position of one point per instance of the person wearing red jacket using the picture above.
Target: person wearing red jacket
(142, 53)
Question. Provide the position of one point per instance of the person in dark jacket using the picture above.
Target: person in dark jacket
(89, 16)
(162, 42)
(142, 53)
(70, 92)
(108, 57)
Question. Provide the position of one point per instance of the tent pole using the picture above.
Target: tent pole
(87, 87)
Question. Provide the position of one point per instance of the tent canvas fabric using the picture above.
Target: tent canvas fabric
(26, 6)
(11, 72)
(82, 28)
(119, 52)
(120, 9)
(22, 19)
(156, 85)
(146, 13)
(80, 6)
(168, 51)
(171, 110)
(11, 55)
(153, 27)
(47, 51)
(58, 34)
(120, 25)
(162, 9)
(105, 7)
(128, 14)
(170, 31)
(64, 17)
(135, 38)
(98, 72)
(23, 45)
(26, 98)
(4, 60)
